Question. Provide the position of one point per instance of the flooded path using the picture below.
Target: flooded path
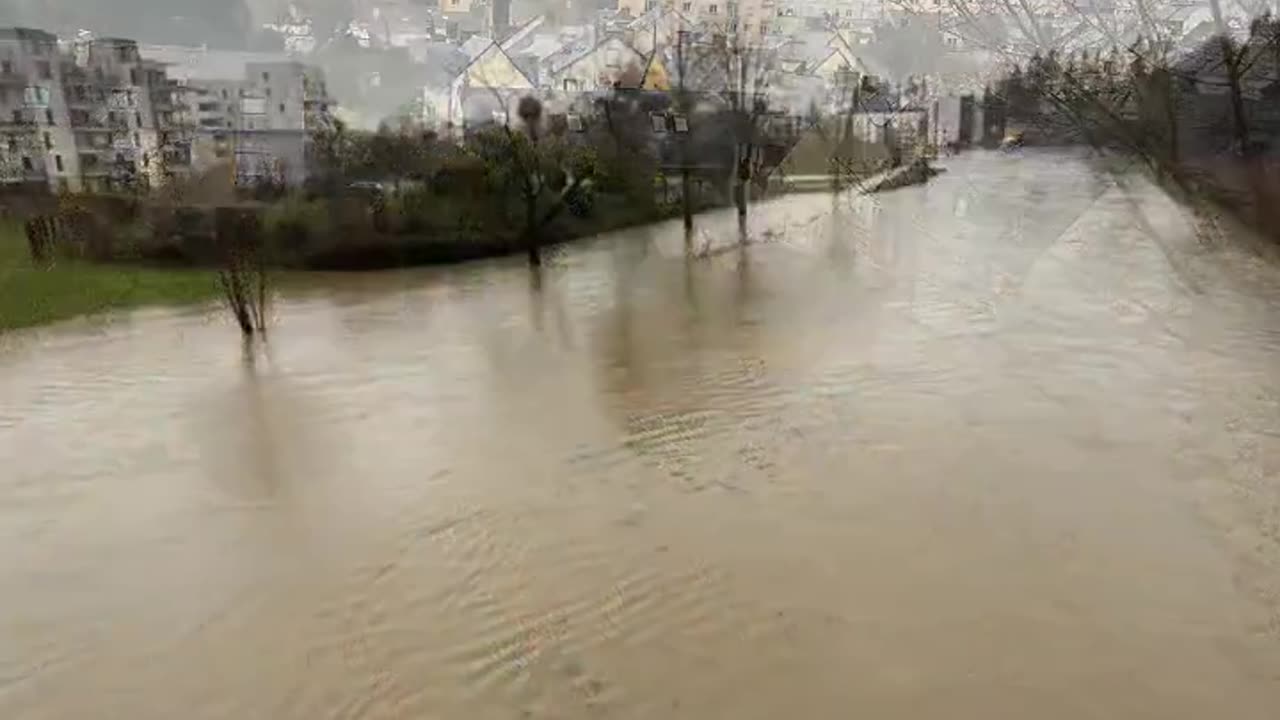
(1006, 445)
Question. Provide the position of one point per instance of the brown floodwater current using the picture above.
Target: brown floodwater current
(1002, 446)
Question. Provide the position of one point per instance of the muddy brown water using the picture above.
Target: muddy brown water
(1002, 446)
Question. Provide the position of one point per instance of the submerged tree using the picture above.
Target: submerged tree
(243, 274)
(536, 166)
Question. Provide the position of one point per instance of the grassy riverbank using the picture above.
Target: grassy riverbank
(32, 295)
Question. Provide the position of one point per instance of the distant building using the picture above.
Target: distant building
(105, 114)
(87, 116)
(472, 86)
(254, 113)
(606, 64)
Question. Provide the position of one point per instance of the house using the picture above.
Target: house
(483, 90)
(821, 54)
(607, 64)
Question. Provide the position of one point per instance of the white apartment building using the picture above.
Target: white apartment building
(105, 114)
(253, 113)
(81, 116)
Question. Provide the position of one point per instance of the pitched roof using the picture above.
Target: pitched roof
(583, 51)
(522, 33)
(441, 62)
(475, 46)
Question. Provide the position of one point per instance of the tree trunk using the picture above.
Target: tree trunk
(1231, 62)
(742, 180)
(531, 230)
(686, 190)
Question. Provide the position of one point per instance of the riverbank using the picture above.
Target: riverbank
(914, 173)
(32, 295)
(181, 269)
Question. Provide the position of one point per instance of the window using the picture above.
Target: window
(26, 164)
(687, 7)
(571, 85)
(713, 9)
(658, 122)
(281, 108)
(575, 123)
(57, 161)
(133, 76)
(681, 123)
(36, 96)
(6, 67)
(266, 77)
(45, 70)
(224, 93)
(137, 140)
(48, 117)
(137, 119)
(268, 92)
(48, 141)
(17, 117)
(13, 143)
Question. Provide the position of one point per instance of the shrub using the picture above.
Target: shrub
(296, 223)
(580, 200)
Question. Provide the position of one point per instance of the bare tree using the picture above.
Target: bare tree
(741, 72)
(684, 107)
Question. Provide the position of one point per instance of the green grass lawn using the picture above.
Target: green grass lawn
(32, 295)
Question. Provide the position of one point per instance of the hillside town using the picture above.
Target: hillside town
(82, 112)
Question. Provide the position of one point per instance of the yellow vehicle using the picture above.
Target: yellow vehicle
(1012, 140)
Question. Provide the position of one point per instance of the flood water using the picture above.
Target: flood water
(1003, 446)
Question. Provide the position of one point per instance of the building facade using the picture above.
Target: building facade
(100, 115)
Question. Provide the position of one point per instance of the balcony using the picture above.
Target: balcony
(19, 120)
(86, 100)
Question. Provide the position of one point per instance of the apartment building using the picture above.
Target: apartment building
(258, 125)
(36, 142)
(746, 19)
(79, 117)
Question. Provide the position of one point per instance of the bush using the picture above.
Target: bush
(580, 200)
(295, 223)
(410, 211)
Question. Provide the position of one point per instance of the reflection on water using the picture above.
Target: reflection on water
(986, 448)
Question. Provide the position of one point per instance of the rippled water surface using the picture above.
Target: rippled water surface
(1002, 446)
